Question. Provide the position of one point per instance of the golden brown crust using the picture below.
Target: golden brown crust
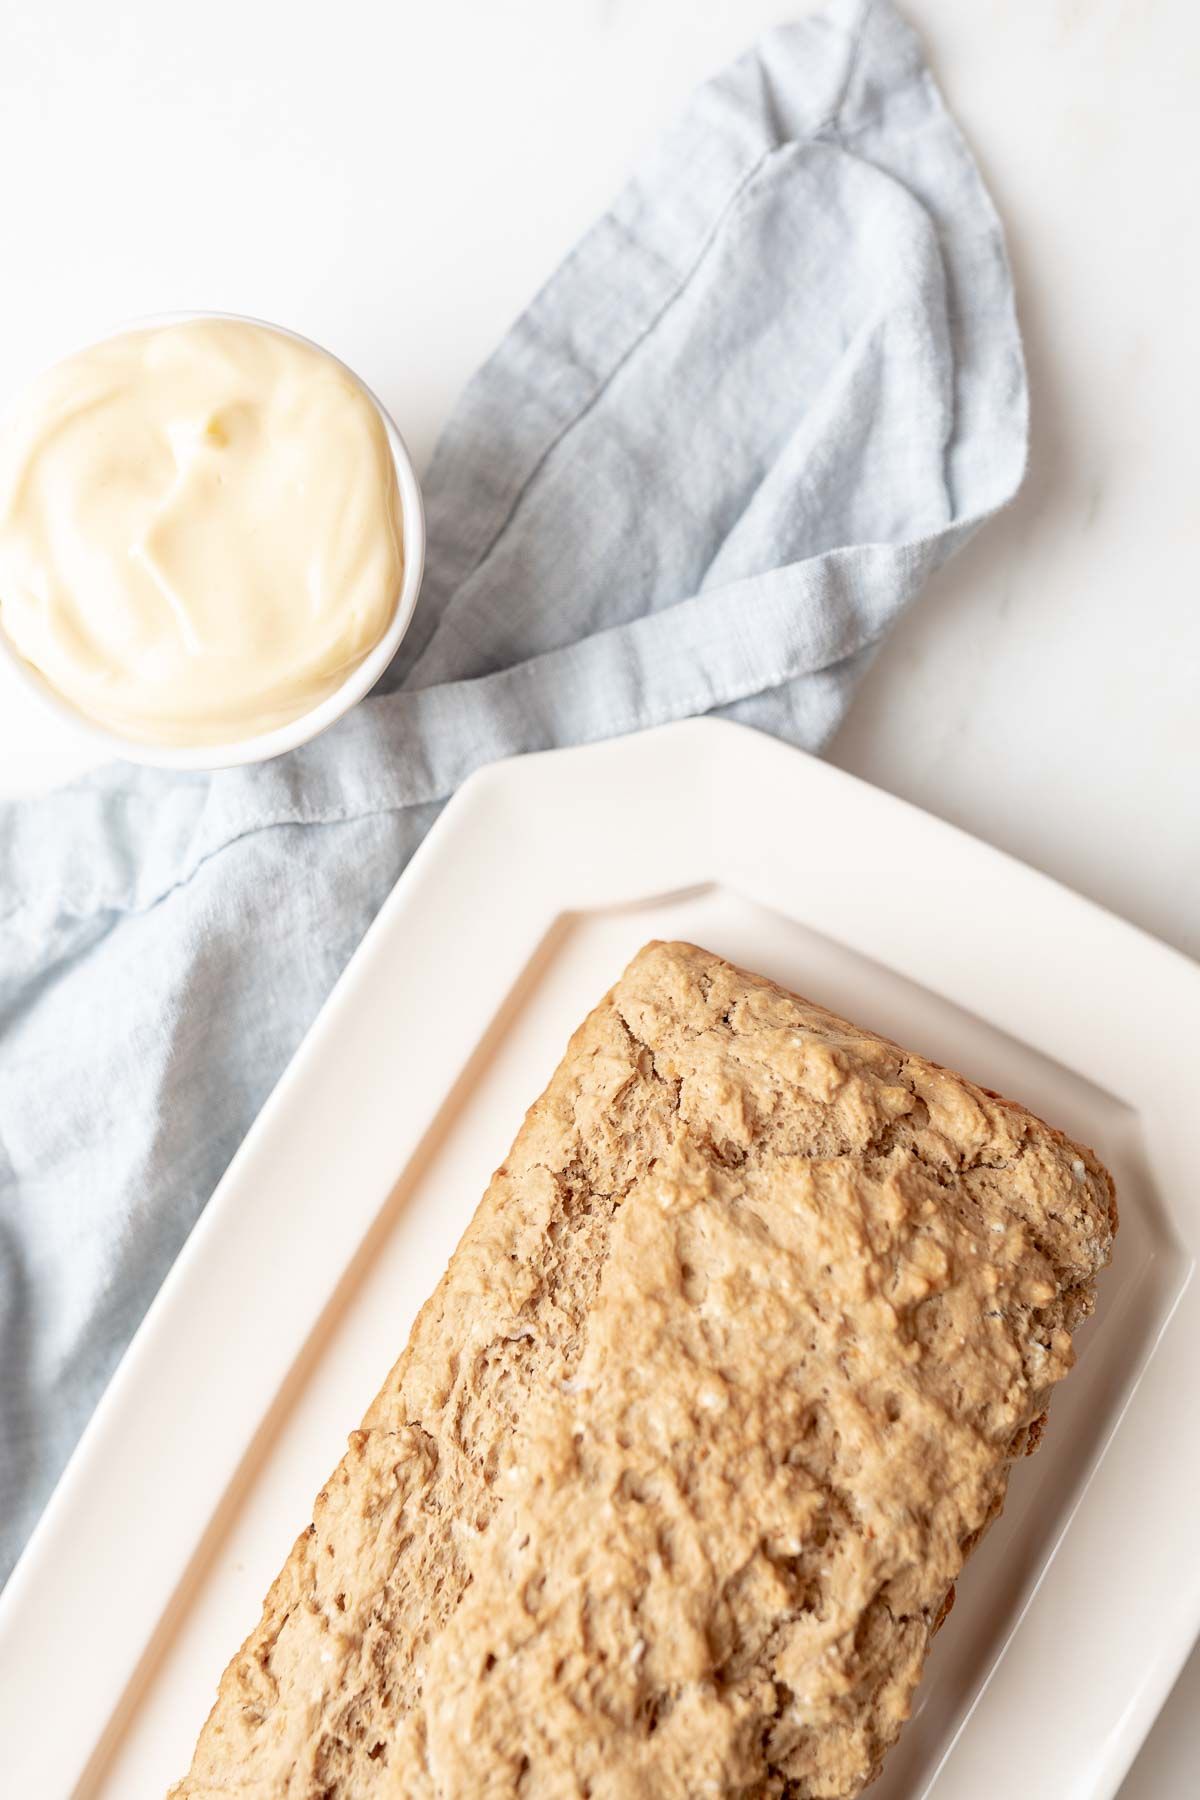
(669, 1491)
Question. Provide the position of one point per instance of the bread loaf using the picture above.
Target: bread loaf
(669, 1491)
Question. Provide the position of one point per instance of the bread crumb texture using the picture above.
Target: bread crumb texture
(668, 1493)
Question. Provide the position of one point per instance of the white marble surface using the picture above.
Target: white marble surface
(396, 180)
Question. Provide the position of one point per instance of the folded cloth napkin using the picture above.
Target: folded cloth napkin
(770, 391)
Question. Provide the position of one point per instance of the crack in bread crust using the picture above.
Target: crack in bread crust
(669, 1492)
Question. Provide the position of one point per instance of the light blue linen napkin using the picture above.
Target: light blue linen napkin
(770, 391)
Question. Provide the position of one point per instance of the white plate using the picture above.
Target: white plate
(297, 1288)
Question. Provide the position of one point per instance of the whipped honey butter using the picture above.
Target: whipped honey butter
(199, 530)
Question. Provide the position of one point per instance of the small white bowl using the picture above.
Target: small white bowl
(358, 682)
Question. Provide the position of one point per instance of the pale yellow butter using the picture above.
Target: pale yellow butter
(199, 530)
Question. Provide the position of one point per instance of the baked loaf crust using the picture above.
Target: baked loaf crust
(668, 1493)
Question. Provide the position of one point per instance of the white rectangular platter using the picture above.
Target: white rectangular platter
(297, 1288)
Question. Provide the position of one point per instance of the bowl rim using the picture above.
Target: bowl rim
(260, 747)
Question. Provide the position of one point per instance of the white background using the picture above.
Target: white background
(396, 180)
